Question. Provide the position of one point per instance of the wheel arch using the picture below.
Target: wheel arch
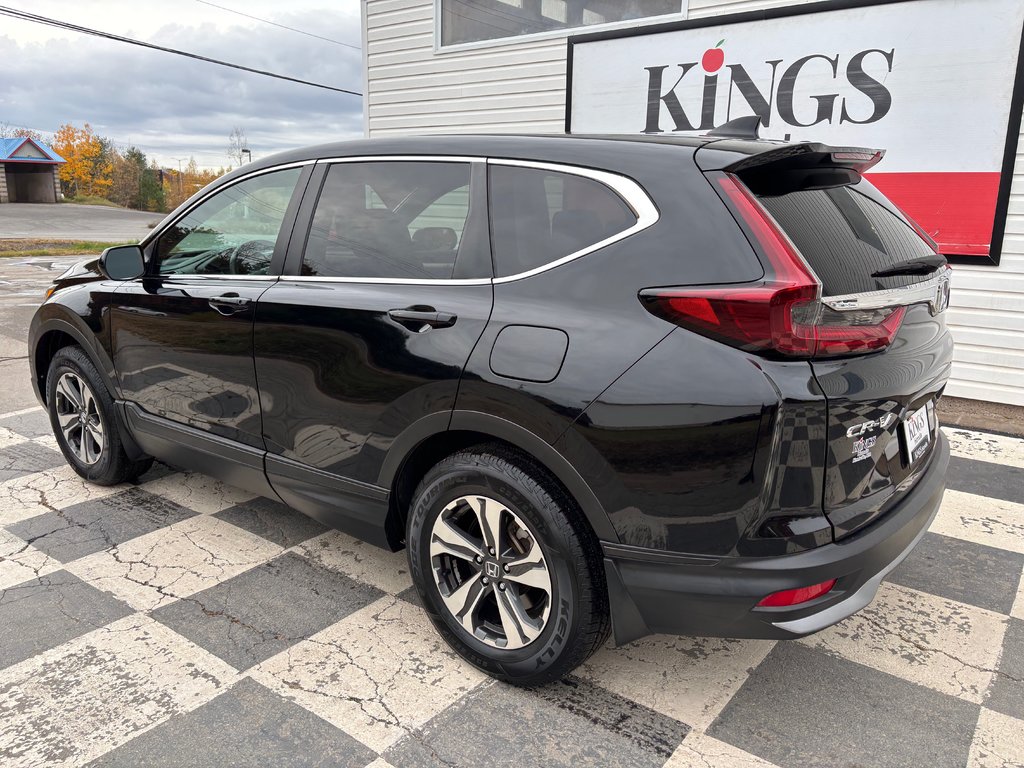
(432, 438)
(52, 335)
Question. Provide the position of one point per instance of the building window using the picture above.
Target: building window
(470, 21)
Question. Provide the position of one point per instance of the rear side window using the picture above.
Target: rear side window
(539, 216)
(398, 220)
(846, 233)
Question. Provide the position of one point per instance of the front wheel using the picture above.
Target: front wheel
(507, 568)
(82, 417)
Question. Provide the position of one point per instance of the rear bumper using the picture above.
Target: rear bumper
(654, 591)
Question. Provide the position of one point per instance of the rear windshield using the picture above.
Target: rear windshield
(846, 234)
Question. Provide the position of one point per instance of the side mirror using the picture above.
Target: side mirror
(123, 262)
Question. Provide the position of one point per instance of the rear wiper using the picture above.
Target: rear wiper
(923, 266)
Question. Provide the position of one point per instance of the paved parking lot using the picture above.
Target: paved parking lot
(74, 222)
(181, 622)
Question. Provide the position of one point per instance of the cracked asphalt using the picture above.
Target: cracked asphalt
(181, 622)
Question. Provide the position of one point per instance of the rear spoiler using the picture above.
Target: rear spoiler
(808, 155)
(738, 155)
(774, 168)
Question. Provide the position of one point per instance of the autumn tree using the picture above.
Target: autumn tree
(125, 178)
(88, 167)
(180, 186)
(134, 182)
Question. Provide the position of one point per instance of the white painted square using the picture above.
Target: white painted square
(388, 571)
(983, 520)
(197, 492)
(20, 561)
(998, 742)
(699, 750)
(687, 678)
(82, 699)
(9, 438)
(983, 446)
(948, 646)
(377, 674)
(1017, 611)
(42, 492)
(174, 562)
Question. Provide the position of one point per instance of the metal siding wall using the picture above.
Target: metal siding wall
(515, 87)
(987, 314)
(520, 87)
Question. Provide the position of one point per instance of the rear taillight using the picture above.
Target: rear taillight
(781, 314)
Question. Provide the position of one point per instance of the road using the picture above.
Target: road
(67, 221)
(182, 622)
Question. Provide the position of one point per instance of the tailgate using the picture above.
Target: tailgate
(875, 452)
(869, 260)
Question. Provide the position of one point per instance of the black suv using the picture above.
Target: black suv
(591, 384)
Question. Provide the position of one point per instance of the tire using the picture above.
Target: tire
(533, 516)
(100, 459)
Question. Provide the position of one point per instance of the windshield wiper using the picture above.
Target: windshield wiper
(923, 266)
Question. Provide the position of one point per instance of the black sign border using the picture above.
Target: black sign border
(1012, 128)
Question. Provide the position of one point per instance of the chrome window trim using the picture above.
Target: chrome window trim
(627, 189)
(934, 292)
(386, 280)
(401, 159)
(631, 192)
(208, 276)
(166, 224)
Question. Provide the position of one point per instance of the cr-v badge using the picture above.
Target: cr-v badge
(863, 444)
(870, 426)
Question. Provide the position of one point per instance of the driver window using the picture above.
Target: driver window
(398, 220)
(231, 233)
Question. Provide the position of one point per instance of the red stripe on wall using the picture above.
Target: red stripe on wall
(956, 209)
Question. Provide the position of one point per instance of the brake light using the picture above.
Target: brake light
(783, 312)
(796, 596)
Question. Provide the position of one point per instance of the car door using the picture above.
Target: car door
(181, 336)
(370, 327)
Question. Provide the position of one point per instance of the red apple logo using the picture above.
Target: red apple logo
(713, 58)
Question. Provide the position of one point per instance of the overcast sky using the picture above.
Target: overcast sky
(172, 107)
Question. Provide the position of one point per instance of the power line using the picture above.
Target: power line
(282, 26)
(25, 16)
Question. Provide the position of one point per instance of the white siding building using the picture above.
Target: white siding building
(416, 82)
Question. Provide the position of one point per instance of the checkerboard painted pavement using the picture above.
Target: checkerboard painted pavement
(182, 622)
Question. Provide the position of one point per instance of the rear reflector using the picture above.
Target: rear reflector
(782, 313)
(796, 596)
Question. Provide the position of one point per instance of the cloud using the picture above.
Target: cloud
(170, 106)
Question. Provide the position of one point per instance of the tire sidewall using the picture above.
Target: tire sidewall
(67, 362)
(445, 483)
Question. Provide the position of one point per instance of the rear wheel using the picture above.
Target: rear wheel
(506, 567)
(83, 420)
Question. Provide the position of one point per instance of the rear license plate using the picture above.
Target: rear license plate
(916, 434)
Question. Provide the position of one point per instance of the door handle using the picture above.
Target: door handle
(422, 319)
(230, 303)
